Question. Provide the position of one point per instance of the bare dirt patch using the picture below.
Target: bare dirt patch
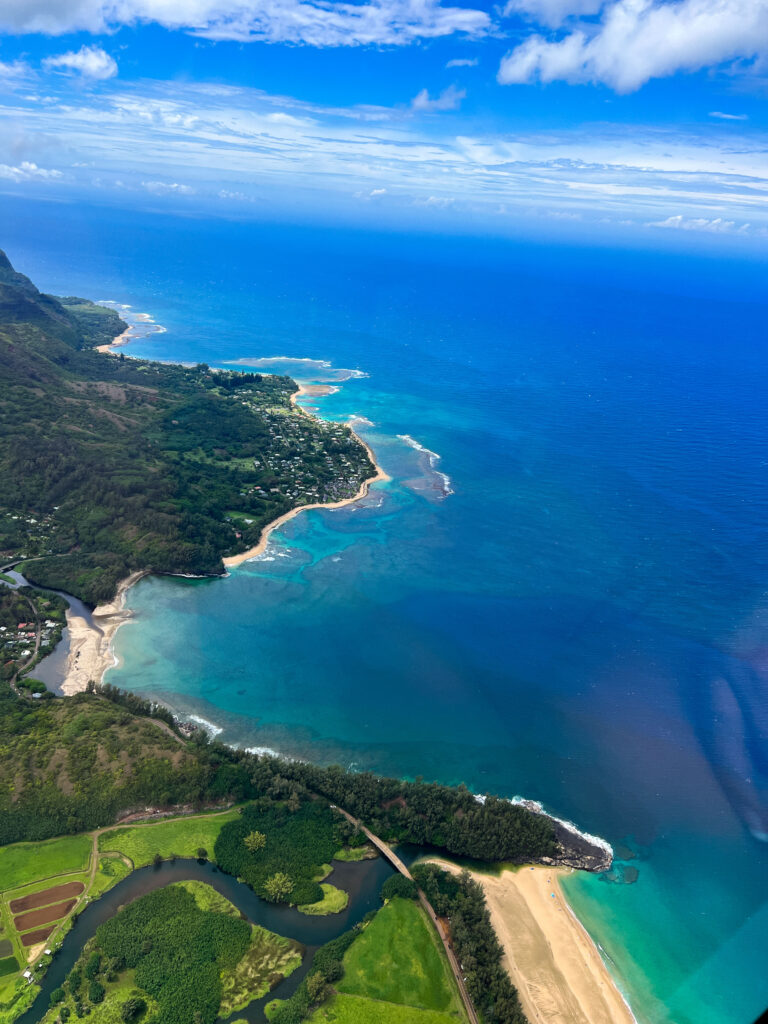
(36, 917)
(47, 896)
(39, 936)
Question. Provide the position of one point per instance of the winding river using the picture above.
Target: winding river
(362, 881)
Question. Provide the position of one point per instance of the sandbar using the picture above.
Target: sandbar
(90, 643)
(552, 961)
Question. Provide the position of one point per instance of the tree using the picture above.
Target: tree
(96, 991)
(202, 853)
(278, 887)
(56, 996)
(316, 987)
(157, 860)
(93, 965)
(132, 1009)
(294, 802)
(399, 885)
(255, 841)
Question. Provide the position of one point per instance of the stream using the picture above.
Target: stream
(362, 880)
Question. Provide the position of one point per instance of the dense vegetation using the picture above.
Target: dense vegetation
(118, 464)
(327, 967)
(63, 771)
(448, 817)
(176, 950)
(461, 900)
(299, 837)
(72, 765)
(97, 325)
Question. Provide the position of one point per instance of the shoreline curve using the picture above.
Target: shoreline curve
(258, 549)
(553, 962)
(91, 652)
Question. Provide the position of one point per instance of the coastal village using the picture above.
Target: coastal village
(303, 460)
(31, 624)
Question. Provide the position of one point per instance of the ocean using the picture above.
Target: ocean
(560, 592)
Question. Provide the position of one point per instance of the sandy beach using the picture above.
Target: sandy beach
(121, 339)
(90, 646)
(258, 549)
(554, 964)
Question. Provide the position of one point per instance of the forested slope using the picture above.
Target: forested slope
(112, 464)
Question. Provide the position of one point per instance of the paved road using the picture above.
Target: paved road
(395, 861)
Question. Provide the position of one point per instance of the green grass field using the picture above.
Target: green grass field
(181, 837)
(111, 871)
(30, 862)
(347, 1009)
(207, 898)
(333, 902)
(398, 959)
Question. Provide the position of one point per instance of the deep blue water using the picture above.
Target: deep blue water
(582, 621)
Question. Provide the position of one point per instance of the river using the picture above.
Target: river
(362, 880)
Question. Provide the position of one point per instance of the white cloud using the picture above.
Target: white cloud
(637, 40)
(728, 117)
(463, 62)
(154, 136)
(13, 70)
(449, 99)
(27, 171)
(315, 22)
(717, 226)
(164, 188)
(88, 61)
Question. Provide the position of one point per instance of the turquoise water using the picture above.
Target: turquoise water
(568, 604)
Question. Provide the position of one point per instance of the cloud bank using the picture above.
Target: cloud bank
(637, 40)
(313, 22)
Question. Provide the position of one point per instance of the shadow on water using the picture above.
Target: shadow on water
(362, 880)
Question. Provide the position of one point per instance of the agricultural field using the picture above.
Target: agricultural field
(177, 837)
(27, 862)
(398, 959)
(43, 884)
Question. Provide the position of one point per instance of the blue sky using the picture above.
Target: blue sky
(582, 116)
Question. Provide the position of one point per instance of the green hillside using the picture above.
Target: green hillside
(112, 465)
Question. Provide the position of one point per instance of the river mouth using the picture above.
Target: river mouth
(361, 879)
